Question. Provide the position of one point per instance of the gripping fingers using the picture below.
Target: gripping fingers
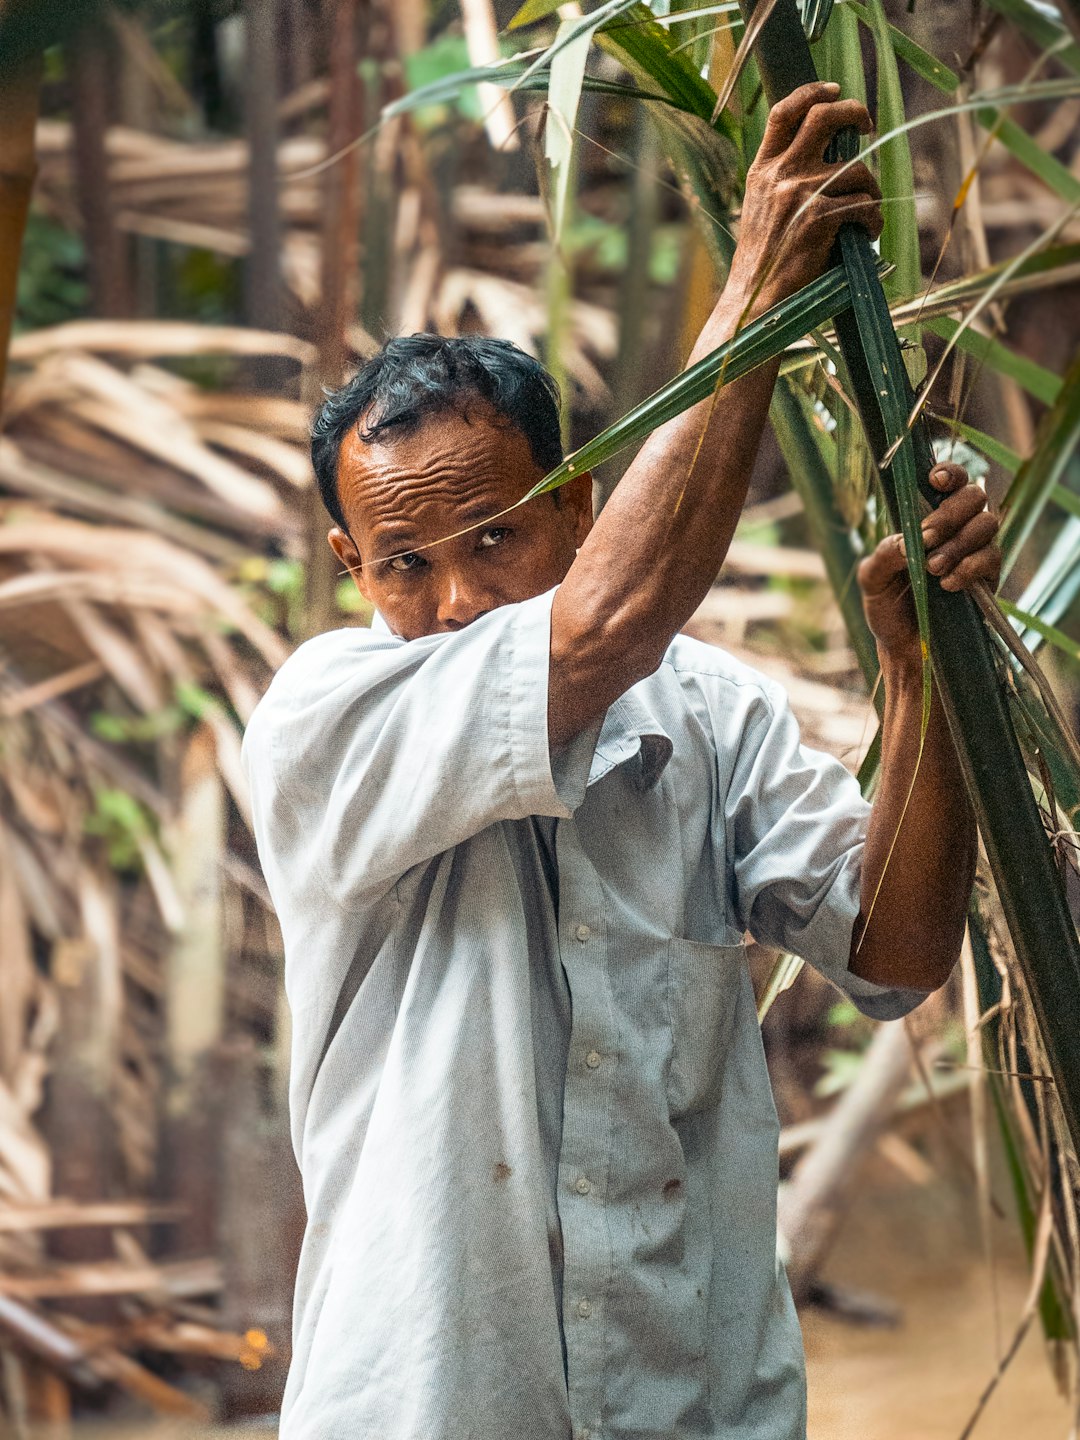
(836, 210)
(822, 123)
(970, 555)
(787, 115)
(882, 566)
(948, 476)
(852, 179)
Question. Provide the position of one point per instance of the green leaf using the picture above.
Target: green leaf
(839, 54)
(1034, 378)
(993, 449)
(532, 11)
(1015, 139)
(815, 16)
(900, 235)
(564, 92)
(1056, 441)
(761, 340)
(1058, 638)
(1066, 499)
(1029, 152)
(652, 54)
(890, 389)
(1037, 26)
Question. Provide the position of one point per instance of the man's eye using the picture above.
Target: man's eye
(494, 535)
(403, 564)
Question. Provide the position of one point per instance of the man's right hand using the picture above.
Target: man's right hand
(795, 202)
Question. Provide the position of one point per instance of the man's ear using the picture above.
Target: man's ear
(577, 496)
(346, 551)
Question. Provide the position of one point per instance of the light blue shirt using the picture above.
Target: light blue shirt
(529, 1098)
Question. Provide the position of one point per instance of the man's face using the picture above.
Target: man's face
(402, 496)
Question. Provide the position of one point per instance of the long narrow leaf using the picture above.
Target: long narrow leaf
(839, 54)
(564, 92)
(992, 448)
(654, 53)
(1015, 139)
(1037, 25)
(761, 340)
(900, 234)
(1033, 377)
(880, 349)
(1056, 442)
(1053, 588)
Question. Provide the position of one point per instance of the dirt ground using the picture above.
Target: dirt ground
(920, 1247)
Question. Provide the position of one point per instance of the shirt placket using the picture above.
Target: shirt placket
(585, 1156)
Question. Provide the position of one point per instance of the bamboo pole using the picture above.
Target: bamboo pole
(18, 116)
(1020, 855)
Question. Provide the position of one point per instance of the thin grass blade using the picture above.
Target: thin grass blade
(761, 340)
(1056, 442)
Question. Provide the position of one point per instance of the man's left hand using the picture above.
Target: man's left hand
(960, 537)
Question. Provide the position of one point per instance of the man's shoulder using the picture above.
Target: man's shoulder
(693, 664)
(313, 671)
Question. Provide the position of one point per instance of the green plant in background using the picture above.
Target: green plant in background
(121, 823)
(52, 285)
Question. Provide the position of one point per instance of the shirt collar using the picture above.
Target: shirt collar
(631, 733)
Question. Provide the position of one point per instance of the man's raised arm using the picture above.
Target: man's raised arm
(662, 537)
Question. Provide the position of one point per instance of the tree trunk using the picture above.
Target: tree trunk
(18, 116)
(262, 276)
(106, 247)
(339, 271)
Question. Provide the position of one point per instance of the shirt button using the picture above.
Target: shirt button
(592, 1059)
(583, 932)
(584, 1309)
(582, 1186)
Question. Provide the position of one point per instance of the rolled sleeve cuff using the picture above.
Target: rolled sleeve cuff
(546, 782)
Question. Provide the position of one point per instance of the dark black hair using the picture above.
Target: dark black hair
(415, 376)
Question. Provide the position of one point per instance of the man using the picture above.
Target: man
(515, 838)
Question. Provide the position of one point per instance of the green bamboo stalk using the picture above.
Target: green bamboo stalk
(1020, 855)
(830, 532)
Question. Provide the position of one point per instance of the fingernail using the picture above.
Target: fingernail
(936, 564)
(832, 85)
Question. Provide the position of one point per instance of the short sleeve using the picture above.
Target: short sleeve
(370, 754)
(796, 827)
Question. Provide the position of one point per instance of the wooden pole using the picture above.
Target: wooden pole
(18, 116)
(106, 246)
(263, 271)
(339, 274)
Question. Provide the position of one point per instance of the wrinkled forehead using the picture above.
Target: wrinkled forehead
(453, 461)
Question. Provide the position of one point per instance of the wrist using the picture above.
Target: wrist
(902, 671)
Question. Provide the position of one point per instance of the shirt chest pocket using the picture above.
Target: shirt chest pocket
(706, 985)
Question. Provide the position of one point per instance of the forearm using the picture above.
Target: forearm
(661, 539)
(919, 861)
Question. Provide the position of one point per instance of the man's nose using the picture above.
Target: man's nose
(460, 602)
